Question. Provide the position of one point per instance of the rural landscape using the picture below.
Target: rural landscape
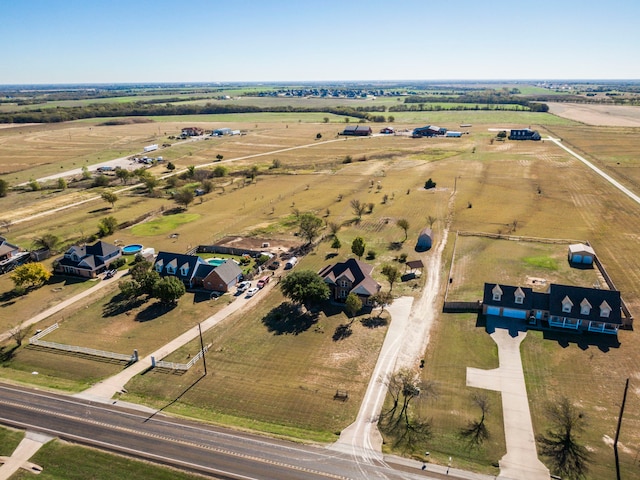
(122, 207)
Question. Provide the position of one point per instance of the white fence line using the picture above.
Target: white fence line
(35, 340)
(182, 366)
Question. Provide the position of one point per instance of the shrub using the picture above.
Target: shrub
(119, 262)
(371, 255)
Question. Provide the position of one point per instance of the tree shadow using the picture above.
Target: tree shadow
(100, 210)
(173, 211)
(153, 311)
(374, 322)
(119, 305)
(6, 354)
(329, 256)
(287, 319)
(343, 331)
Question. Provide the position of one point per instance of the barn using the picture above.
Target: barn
(357, 131)
(425, 240)
(524, 134)
(581, 254)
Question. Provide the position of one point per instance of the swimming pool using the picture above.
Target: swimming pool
(132, 249)
(215, 261)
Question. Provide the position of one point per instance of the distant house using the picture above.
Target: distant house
(8, 250)
(581, 254)
(222, 131)
(352, 276)
(429, 131)
(192, 131)
(524, 134)
(564, 307)
(195, 272)
(88, 260)
(387, 131)
(451, 133)
(425, 240)
(357, 131)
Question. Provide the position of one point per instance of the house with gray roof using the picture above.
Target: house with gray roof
(87, 260)
(352, 276)
(564, 307)
(195, 272)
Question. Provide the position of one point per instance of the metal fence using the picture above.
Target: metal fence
(35, 340)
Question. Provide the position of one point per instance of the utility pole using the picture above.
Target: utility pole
(615, 442)
(204, 359)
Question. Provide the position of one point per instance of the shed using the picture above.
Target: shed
(581, 254)
(357, 130)
(425, 239)
(290, 263)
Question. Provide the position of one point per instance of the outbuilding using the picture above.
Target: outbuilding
(357, 131)
(221, 132)
(524, 134)
(291, 263)
(581, 254)
(425, 240)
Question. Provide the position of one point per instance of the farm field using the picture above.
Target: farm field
(526, 188)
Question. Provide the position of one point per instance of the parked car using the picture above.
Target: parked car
(242, 286)
(274, 265)
(252, 291)
(263, 281)
(110, 273)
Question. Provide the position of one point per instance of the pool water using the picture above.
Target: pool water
(215, 261)
(131, 249)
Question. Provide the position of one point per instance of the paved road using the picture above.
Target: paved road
(201, 448)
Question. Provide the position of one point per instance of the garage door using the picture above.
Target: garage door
(588, 260)
(576, 258)
(493, 311)
(513, 313)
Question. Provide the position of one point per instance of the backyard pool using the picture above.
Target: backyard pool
(215, 261)
(132, 249)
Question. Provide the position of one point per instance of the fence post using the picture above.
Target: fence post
(153, 362)
(135, 354)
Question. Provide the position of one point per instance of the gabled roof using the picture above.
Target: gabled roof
(508, 297)
(178, 262)
(90, 257)
(581, 248)
(101, 249)
(358, 273)
(228, 271)
(577, 295)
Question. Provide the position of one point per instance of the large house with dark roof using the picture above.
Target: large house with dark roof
(195, 272)
(352, 276)
(565, 307)
(88, 260)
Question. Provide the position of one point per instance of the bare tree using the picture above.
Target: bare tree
(358, 208)
(334, 228)
(403, 223)
(19, 333)
(560, 444)
(476, 430)
(431, 219)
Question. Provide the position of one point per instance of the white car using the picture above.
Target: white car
(242, 286)
(252, 291)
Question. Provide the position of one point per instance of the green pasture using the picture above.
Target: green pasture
(163, 225)
(64, 461)
(9, 440)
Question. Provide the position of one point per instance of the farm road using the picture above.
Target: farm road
(607, 177)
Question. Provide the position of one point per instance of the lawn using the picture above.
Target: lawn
(163, 225)
(64, 461)
(9, 440)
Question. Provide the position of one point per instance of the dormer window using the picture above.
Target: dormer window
(567, 304)
(519, 296)
(171, 269)
(605, 310)
(585, 307)
(184, 269)
(159, 266)
(497, 293)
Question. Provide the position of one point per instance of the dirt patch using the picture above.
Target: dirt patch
(273, 245)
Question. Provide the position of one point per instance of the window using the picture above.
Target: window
(184, 269)
(519, 296)
(344, 284)
(566, 305)
(585, 307)
(159, 267)
(497, 293)
(171, 269)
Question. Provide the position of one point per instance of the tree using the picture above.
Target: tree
(310, 226)
(403, 223)
(391, 119)
(184, 197)
(429, 184)
(101, 181)
(325, 119)
(34, 185)
(220, 171)
(391, 273)
(334, 228)
(171, 166)
(431, 219)
(110, 197)
(86, 174)
(4, 188)
(48, 241)
(19, 333)
(144, 278)
(357, 247)
(304, 287)
(124, 175)
(318, 136)
(358, 208)
(62, 184)
(560, 444)
(107, 226)
(150, 183)
(336, 244)
(253, 172)
(191, 171)
(382, 299)
(476, 431)
(219, 157)
(168, 290)
(352, 304)
(502, 134)
(30, 275)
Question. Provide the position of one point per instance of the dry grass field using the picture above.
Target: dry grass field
(284, 384)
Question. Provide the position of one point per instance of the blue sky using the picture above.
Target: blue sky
(116, 41)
